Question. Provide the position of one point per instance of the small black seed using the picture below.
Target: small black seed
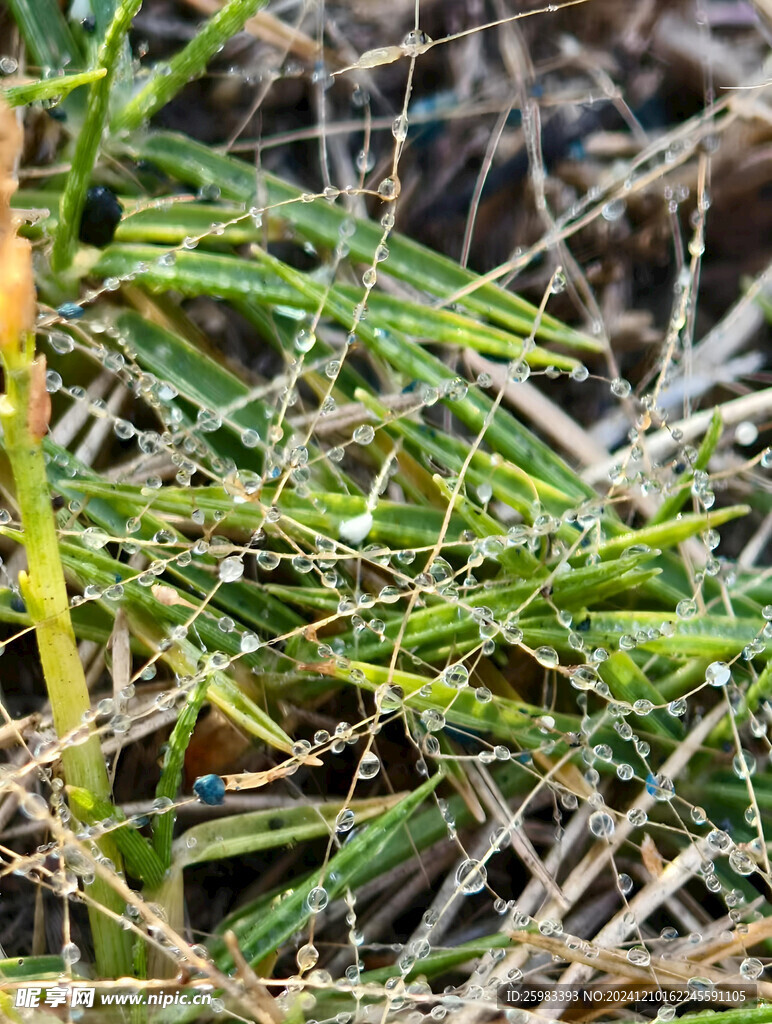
(101, 215)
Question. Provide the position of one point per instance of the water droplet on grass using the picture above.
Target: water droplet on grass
(364, 434)
(268, 560)
(744, 764)
(344, 821)
(307, 957)
(639, 956)
(369, 766)
(601, 824)
(547, 656)
(317, 899)
(389, 188)
(230, 569)
(751, 968)
(471, 877)
(718, 673)
(686, 609)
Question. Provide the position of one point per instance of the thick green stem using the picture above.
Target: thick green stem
(45, 593)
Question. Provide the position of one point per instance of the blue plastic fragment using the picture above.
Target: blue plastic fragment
(210, 789)
(70, 311)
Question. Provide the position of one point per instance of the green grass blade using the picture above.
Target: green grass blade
(264, 830)
(290, 914)
(45, 32)
(671, 506)
(90, 137)
(189, 63)
(171, 771)
(320, 222)
(140, 858)
(49, 88)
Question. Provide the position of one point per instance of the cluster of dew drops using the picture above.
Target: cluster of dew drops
(439, 578)
(189, 452)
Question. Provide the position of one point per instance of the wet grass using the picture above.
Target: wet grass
(466, 704)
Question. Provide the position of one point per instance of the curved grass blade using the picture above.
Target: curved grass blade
(47, 89)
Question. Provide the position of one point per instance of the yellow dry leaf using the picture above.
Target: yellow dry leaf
(651, 857)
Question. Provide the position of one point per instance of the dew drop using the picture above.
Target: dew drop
(686, 609)
(268, 560)
(344, 821)
(34, 807)
(94, 538)
(389, 188)
(317, 899)
(751, 968)
(70, 953)
(230, 569)
(639, 956)
(744, 764)
(364, 434)
(546, 656)
(471, 877)
(718, 673)
(307, 957)
(369, 766)
(613, 210)
(601, 824)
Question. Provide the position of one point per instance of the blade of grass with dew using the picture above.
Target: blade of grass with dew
(151, 623)
(719, 637)
(170, 779)
(504, 433)
(627, 682)
(46, 89)
(671, 532)
(170, 224)
(502, 718)
(197, 164)
(206, 273)
(300, 516)
(292, 913)
(186, 64)
(139, 857)
(90, 137)
(45, 32)
(39, 968)
(758, 691)
(246, 833)
(671, 506)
